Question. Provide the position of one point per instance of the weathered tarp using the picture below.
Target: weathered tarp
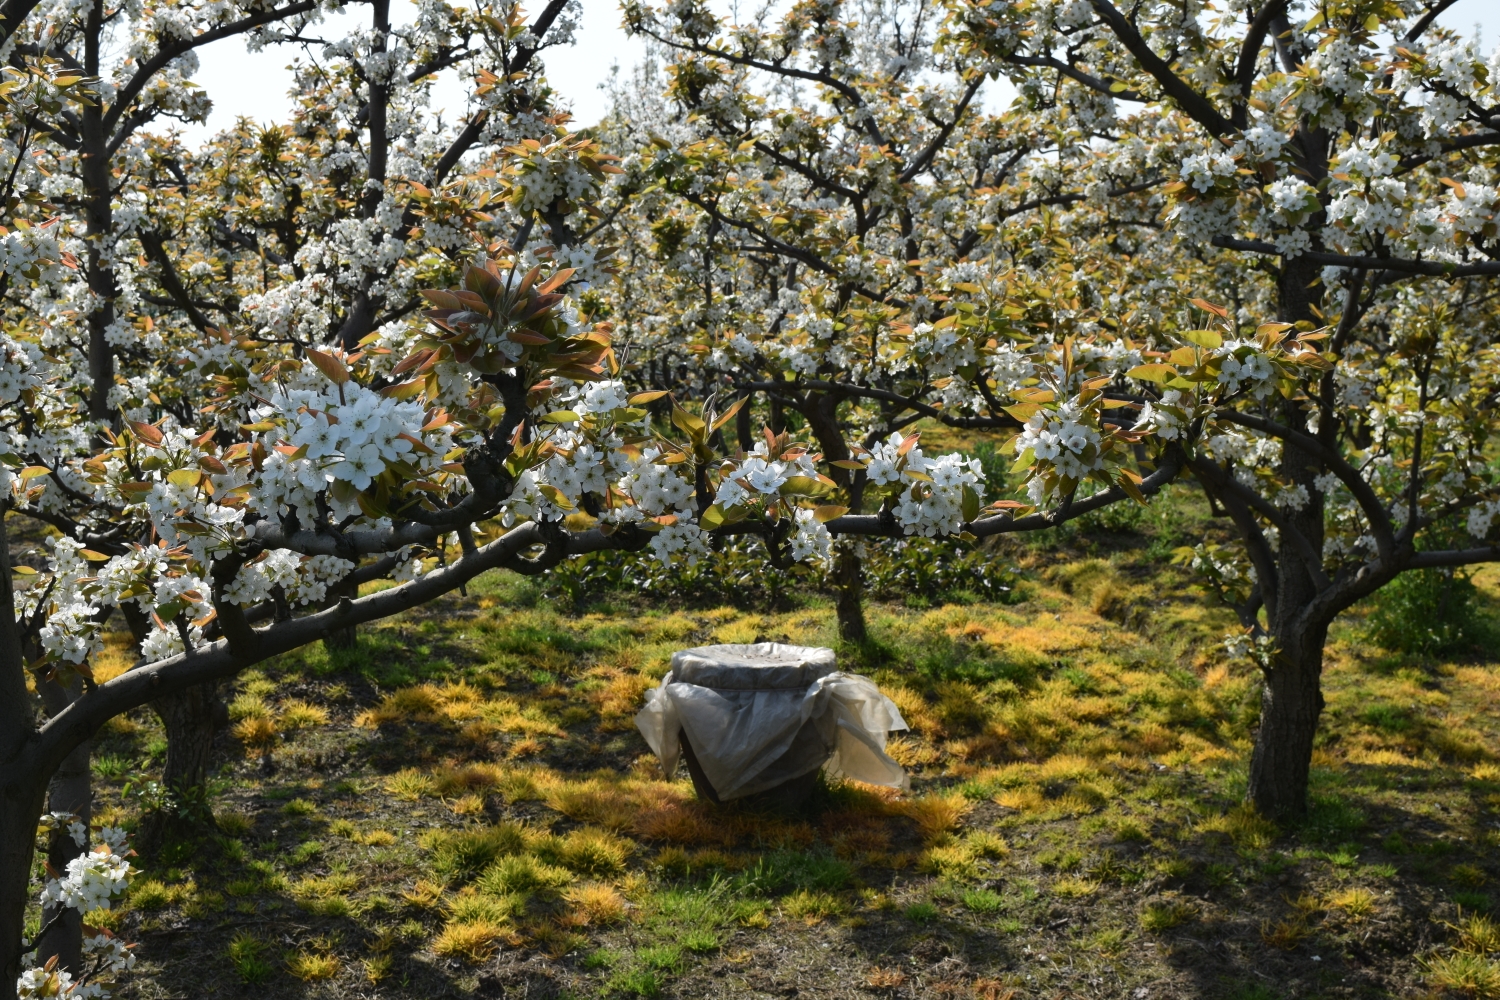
(746, 711)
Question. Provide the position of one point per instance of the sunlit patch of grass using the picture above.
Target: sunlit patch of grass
(423, 894)
(596, 904)
(1464, 972)
(249, 706)
(473, 942)
(811, 907)
(955, 861)
(592, 851)
(411, 784)
(463, 854)
(982, 901)
(1356, 902)
(521, 873)
(1243, 825)
(935, 815)
(373, 838)
(324, 887)
(1477, 933)
(255, 731)
(1074, 888)
(310, 966)
(298, 714)
(1109, 942)
(467, 805)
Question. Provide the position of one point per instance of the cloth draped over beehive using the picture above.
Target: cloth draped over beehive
(759, 715)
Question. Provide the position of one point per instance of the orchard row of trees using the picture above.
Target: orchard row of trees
(1254, 248)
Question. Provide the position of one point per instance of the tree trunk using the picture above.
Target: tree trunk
(742, 427)
(191, 718)
(21, 788)
(21, 796)
(70, 792)
(1292, 698)
(848, 568)
(1290, 703)
(341, 638)
(849, 578)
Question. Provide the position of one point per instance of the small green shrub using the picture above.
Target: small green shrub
(982, 900)
(464, 854)
(246, 953)
(521, 873)
(1426, 611)
(921, 913)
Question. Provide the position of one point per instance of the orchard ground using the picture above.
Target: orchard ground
(461, 806)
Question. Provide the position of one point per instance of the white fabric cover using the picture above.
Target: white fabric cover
(748, 707)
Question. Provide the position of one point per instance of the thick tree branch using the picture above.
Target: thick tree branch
(1433, 268)
(1194, 104)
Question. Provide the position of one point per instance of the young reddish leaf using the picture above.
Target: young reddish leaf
(1218, 311)
(330, 366)
(147, 433)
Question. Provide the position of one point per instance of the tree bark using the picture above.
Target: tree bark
(21, 787)
(1290, 703)
(849, 578)
(192, 718)
(70, 791)
(21, 796)
(848, 568)
(341, 638)
(1292, 698)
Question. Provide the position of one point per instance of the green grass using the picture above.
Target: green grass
(1078, 757)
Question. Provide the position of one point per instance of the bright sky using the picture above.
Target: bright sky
(256, 84)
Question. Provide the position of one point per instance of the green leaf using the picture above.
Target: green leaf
(711, 518)
(1203, 338)
(647, 397)
(801, 486)
(185, 478)
(1022, 411)
(1152, 373)
(561, 417)
(555, 495)
(970, 504)
(690, 425)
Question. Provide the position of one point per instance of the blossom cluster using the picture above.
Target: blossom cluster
(91, 882)
(929, 493)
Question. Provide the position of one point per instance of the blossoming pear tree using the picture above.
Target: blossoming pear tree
(1241, 213)
(1344, 153)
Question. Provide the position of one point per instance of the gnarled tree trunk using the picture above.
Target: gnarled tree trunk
(1290, 704)
(1292, 698)
(192, 718)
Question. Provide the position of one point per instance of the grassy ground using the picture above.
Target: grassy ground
(461, 806)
